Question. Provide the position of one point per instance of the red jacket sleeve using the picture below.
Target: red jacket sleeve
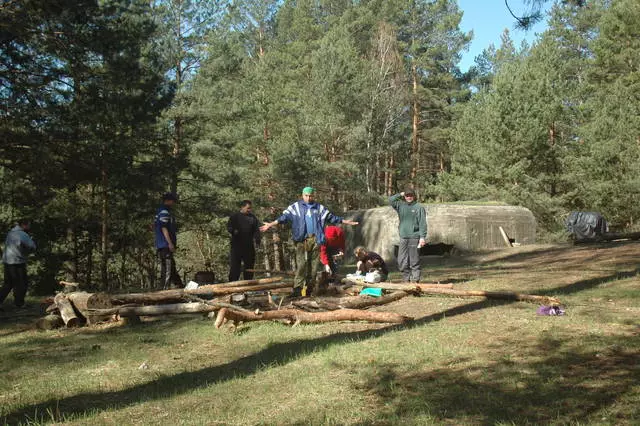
(324, 258)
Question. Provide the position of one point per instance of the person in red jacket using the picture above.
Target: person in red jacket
(333, 247)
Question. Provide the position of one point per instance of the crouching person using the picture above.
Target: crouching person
(369, 261)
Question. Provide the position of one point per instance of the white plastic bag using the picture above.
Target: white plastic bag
(191, 285)
(373, 277)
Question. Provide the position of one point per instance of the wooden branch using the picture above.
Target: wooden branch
(243, 283)
(214, 290)
(66, 310)
(413, 287)
(268, 271)
(353, 302)
(152, 297)
(502, 295)
(360, 302)
(441, 289)
(297, 316)
(170, 309)
(180, 295)
(504, 237)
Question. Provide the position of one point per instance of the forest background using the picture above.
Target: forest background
(106, 104)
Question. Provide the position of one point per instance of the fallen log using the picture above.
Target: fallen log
(406, 286)
(49, 322)
(297, 316)
(243, 283)
(169, 309)
(354, 302)
(219, 291)
(151, 310)
(413, 287)
(181, 295)
(84, 302)
(152, 297)
(501, 295)
(66, 310)
(268, 271)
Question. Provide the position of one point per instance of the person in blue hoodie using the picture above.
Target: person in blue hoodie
(308, 219)
(165, 230)
(17, 247)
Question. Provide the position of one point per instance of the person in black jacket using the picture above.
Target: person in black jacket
(245, 230)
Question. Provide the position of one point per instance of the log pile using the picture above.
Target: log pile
(264, 299)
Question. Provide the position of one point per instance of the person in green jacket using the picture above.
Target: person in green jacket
(413, 233)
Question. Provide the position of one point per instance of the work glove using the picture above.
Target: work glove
(327, 269)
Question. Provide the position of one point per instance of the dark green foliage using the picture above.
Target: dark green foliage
(107, 104)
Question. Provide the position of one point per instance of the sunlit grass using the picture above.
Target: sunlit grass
(467, 361)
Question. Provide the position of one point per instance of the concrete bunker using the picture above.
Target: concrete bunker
(465, 227)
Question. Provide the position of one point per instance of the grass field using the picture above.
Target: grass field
(462, 361)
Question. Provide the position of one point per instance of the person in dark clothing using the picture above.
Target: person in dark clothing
(17, 247)
(412, 228)
(369, 261)
(245, 230)
(166, 241)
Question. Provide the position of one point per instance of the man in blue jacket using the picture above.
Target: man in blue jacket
(165, 228)
(308, 219)
(17, 247)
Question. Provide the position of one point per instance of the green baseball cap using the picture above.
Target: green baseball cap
(308, 190)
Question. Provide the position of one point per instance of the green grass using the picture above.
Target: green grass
(463, 361)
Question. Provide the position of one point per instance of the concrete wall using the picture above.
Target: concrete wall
(467, 227)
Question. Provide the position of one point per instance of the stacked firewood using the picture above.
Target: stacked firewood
(250, 300)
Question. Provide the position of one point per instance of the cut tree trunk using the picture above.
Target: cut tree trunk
(84, 301)
(298, 316)
(66, 310)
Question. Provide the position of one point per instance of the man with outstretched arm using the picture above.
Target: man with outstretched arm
(412, 228)
(308, 219)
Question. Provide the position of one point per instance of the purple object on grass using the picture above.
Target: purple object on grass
(550, 310)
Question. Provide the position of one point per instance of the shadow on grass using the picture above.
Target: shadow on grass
(561, 382)
(588, 283)
(490, 398)
(273, 355)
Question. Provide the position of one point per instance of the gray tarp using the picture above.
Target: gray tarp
(586, 225)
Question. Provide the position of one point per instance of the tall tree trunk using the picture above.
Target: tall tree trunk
(104, 231)
(75, 262)
(392, 169)
(415, 119)
(177, 122)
